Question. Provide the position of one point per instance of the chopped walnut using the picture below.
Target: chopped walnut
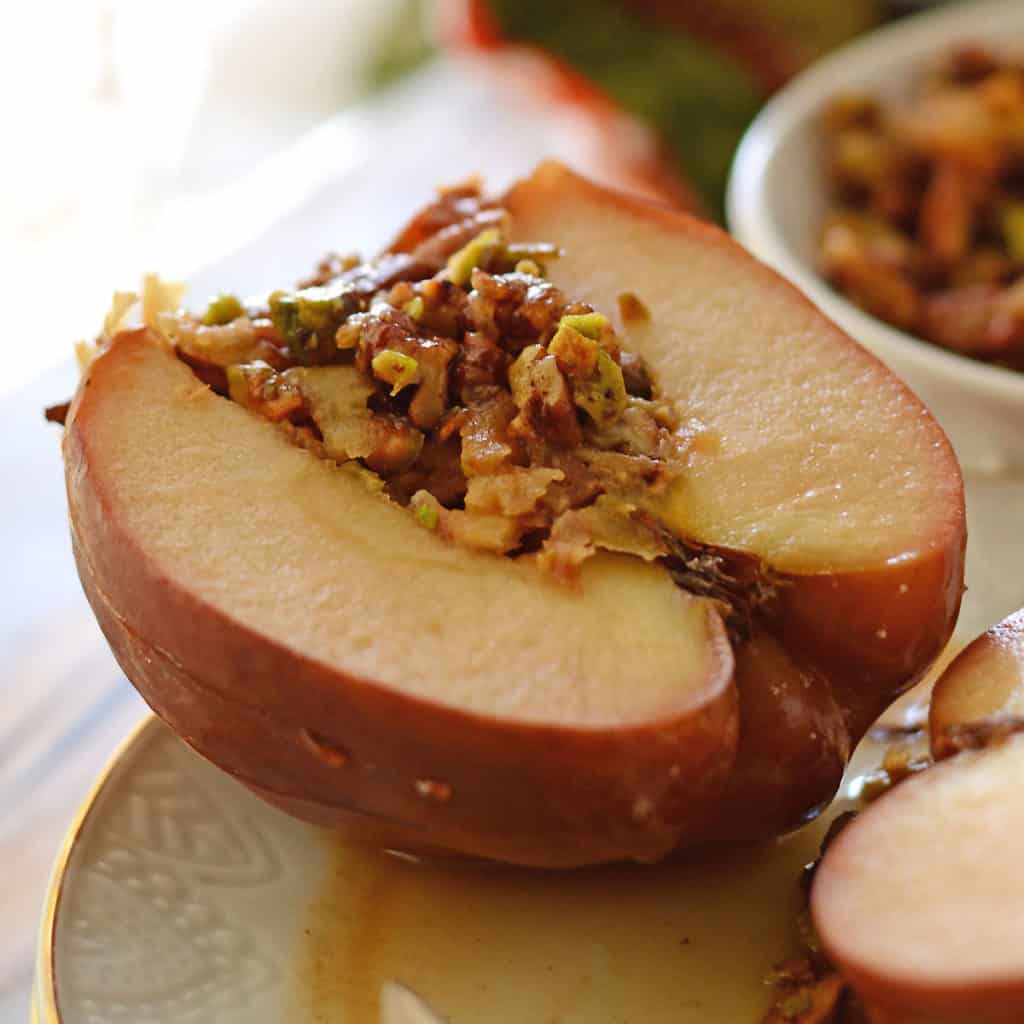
(451, 376)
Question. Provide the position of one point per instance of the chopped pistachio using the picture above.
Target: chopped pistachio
(1013, 230)
(529, 267)
(320, 308)
(238, 384)
(396, 369)
(370, 480)
(284, 312)
(576, 352)
(476, 253)
(414, 308)
(304, 316)
(588, 324)
(425, 509)
(426, 515)
(631, 308)
(603, 395)
(222, 309)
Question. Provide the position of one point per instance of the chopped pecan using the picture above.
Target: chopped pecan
(546, 408)
(436, 249)
(397, 333)
(487, 441)
(395, 445)
(482, 362)
(452, 205)
(517, 309)
(437, 469)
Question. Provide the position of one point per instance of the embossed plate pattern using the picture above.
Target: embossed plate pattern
(179, 897)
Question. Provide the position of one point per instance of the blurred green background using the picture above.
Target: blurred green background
(694, 72)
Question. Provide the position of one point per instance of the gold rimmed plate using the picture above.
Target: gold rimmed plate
(180, 897)
(177, 897)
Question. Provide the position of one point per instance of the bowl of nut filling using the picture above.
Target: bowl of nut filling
(887, 181)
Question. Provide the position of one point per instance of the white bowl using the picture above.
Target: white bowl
(778, 196)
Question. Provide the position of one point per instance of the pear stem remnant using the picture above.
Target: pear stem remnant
(743, 586)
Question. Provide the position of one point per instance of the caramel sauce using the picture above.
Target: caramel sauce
(687, 942)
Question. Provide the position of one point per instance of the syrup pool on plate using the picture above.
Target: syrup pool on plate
(683, 943)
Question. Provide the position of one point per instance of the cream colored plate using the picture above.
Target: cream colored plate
(180, 897)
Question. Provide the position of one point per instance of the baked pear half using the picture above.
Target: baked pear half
(562, 532)
(920, 900)
(981, 693)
